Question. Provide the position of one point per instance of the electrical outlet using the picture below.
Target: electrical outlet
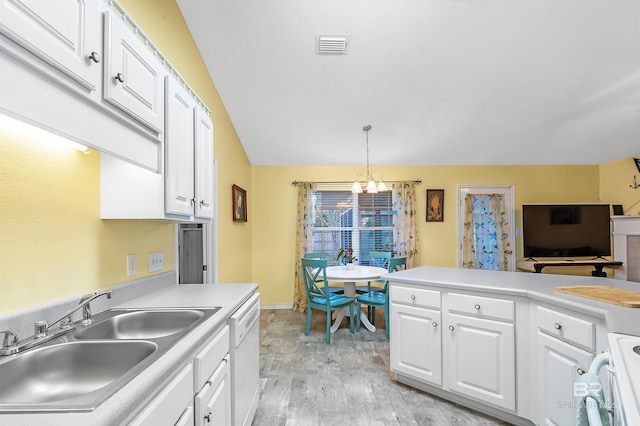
(156, 262)
(132, 265)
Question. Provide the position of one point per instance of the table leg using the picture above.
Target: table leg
(350, 291)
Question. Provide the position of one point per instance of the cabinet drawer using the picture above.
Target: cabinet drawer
(484, 307)
(565, 327)
(415, 296)
(209, 358)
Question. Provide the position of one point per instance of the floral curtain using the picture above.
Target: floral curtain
(405, 228)
(304, 241)
(486, 233)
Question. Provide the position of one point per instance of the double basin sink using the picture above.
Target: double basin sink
(78, 371)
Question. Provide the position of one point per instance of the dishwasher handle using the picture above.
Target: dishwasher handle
(244, 319)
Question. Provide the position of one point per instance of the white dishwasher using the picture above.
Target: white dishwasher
(244, 326)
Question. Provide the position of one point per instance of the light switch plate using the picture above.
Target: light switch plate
(156, 262)
(132, 265)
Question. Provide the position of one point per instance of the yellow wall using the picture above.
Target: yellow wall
(615, 178)
(52, 242)
(275, 200)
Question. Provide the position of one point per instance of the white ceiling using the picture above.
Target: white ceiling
(441, 81)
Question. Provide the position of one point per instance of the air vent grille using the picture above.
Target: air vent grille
(332, 44)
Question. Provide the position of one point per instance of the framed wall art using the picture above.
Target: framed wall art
(435, 205)
(239, 204)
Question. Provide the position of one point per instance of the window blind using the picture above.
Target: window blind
(363, 222)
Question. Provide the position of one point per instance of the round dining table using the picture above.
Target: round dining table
(359, 273)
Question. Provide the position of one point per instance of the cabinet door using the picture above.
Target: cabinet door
(557, 366)
(179, 190)
(66, 34)
(204, 165)
(416, 343)
(133, 78)
(213, 402)
(481, 359)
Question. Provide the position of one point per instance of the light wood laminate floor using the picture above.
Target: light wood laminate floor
(304, 381)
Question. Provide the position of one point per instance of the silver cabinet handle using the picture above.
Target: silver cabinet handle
(208, 417)
(413, 297)
(557, 326)
(95, 57)
(204, 203)
(477, 307)
(119, 77)
(435, 324)
(451, 328)
(581, 371)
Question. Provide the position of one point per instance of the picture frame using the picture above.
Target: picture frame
(435, 205)
(239, 203)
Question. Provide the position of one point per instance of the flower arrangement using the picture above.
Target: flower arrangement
(347, 255)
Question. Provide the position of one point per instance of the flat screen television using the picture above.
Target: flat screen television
(566, 230)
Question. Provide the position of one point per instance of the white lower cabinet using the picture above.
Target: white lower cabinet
(461, 343)
(200, 394)
(559, 363)
(416, 350)
(480, 356)
(213, 402)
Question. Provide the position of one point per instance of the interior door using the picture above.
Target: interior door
(508, 192)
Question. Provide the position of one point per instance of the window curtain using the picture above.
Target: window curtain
(304, 241)
(405, 227)
(486, 233)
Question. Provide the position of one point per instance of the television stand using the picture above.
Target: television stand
(536, 266)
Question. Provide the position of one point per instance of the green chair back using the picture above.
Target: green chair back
(315, 255)
(379, 259)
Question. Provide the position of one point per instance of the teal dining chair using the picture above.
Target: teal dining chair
(323, 255)
(318, 295)
(380, 299)
(379, 259)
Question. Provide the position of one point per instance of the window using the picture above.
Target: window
(364, 221)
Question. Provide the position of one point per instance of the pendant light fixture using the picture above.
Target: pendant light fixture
(372, 185)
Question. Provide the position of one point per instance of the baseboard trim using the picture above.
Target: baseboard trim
(277, 306)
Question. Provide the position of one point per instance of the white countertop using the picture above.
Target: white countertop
(132, 397)
(538, 287)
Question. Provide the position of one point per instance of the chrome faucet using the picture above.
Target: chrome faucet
(11, 344)
(86, 308)
(65, 320)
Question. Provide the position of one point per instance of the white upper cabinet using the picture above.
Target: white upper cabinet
(133, 76)
(179, 148)
(204, 165)
(66, 34)
(189, 155)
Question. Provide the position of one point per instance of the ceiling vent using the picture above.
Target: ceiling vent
(332, 44)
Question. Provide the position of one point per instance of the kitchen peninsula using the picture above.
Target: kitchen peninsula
(505, 343)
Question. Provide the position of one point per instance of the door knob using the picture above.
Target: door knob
(119, 77)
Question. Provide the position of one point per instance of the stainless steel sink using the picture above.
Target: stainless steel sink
(141, 324)
(78, 371)
(67, 371)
